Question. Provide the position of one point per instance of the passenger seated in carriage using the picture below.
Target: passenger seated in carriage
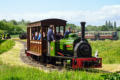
(39, 36)
(36, 35)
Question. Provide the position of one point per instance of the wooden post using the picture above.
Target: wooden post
(59, 29)
(55, 32)
(28, 38)
(63, 30)
(42, 39)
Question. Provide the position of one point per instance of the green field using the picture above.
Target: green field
(119, 35)
(108, 50)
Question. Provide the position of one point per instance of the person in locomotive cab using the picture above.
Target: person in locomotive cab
(50, 37)
(59, 36)
(67, 32)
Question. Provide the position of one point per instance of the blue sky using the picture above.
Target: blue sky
(95, 12)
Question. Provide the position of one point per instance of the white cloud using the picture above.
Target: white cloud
(98, 17)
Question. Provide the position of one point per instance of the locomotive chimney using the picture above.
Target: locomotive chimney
(83, 30)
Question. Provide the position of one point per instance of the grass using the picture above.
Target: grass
(12, 68)
(12, 57)
(5, 45)
(108, 50)
(23, 73)
(119, 35)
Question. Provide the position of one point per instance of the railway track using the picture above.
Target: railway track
(35, 63)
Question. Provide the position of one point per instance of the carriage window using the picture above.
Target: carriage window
(57, 29)
(35, 33)
(61, 30)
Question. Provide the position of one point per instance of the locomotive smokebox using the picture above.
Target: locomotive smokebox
(82, 30)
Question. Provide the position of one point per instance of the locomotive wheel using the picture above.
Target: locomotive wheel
(83, 49)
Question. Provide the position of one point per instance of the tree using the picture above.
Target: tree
(73, 26)
(13, 22)
(103, 28)
(4, 20)
(118, 28)
(114, 27)
(91, 28)
(106, 24)
(9, 27)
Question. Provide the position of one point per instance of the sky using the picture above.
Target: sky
(94, 12)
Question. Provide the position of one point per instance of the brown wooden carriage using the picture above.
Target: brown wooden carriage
(39, 47)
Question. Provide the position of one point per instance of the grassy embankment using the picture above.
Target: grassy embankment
(5, 45)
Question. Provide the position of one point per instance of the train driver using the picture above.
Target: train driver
(50, 37)
(67, 32)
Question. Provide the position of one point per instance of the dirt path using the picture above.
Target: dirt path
(12, 57)
(111, 67)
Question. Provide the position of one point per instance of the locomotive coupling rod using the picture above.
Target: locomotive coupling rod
(82, 30)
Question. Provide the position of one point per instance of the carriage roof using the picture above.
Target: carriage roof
(47, 22)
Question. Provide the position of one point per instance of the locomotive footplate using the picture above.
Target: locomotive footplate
(86, 63)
